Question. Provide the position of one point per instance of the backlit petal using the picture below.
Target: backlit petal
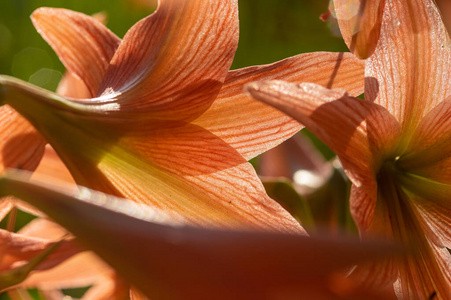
(373, 220)
(433, 206)
(83, 44)
(428, 152)
(421, 271)
(5, 206)
(252, 127)
(408, 73)
(360, 24)
(171, 65)
(361, 133)
(21, 146)
(186, 170)
(51, 166)
(17, 248)
(72, 87)
(83, 269)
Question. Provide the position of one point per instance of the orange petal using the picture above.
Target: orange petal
(208, 262)
(111, 287)
(362, 203)
(72, 87)
(374, 221)
(83, 269)
(83, 44)
(44, 229)
(51, 166)
(186, 170)
(5, 207)
(171, 65)
(426, 276)
(420, 271)
(431, 199)
(445, 9)
(361, 133)
(16, 248)
(408, 73)
(360, 24)
(251, 127)
(21, 145)
(428, 152)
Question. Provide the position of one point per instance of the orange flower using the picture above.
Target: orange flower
(168, 124)
(394, 146)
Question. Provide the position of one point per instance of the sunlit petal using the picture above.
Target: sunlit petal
(408, 73)
(177, 70)
(360, 24)
(17, 248)
(70, 34)
(21, 147)
(366, 131)
(251, 127)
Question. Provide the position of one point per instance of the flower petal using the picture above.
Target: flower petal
(21, 145)
(5, 207)
(408, 73)
(188, 171)
(208, 262)
(251, 127)
(374, 221)
(44, 229)
(17, 248)
(367, 132)
(83, 44)
(109, 288)
(51, 166)
(420, 271)
(360, 24)
(171, 65)
(83, 269)
(431, 199)
(428, 152)
(72, 87)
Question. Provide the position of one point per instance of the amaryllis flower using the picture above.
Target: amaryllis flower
(167, 123)
(395, 145)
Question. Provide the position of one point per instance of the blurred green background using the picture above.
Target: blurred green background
(270, 30)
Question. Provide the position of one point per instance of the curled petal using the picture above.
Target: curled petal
(177, 70)
(367, 132)
(83, 44)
